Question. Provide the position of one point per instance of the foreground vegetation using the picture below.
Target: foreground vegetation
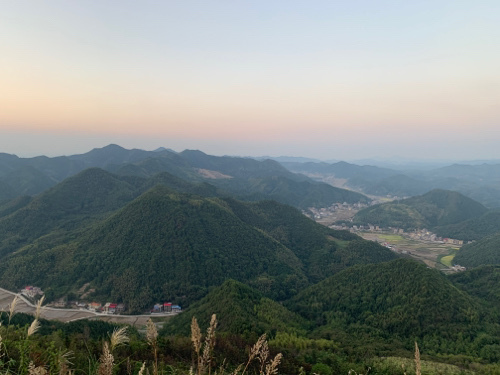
(32, 346)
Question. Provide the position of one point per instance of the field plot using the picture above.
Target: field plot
(433, 254)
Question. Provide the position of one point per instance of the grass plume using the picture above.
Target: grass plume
(196, 339)
(206, 360)
(34, 327)
(417, 360)
(259, 351)
(33, 370)
(106, 361)
(118, 337)
(12, 306)
(39, 307)
(152, 338)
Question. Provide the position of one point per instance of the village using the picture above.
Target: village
(421, 244)
(33, 293)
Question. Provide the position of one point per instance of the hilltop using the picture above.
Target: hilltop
(398, 300)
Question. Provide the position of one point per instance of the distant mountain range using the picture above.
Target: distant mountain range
(480, 182)
(247, 178)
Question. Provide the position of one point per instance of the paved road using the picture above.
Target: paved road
(67, 315)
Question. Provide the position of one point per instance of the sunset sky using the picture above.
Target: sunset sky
(323, 79)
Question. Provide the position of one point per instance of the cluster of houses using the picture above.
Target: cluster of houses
(32, 291)
(108, 308)
(166, 307)
(334, 210)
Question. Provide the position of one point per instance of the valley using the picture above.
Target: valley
(421, 246)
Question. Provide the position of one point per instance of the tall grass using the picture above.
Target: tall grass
(259, 352)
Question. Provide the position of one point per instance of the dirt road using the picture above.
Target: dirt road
(69, 315)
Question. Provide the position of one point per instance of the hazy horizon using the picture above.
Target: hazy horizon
(325, 80)
(394, 161)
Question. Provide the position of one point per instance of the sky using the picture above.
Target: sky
(324, 79)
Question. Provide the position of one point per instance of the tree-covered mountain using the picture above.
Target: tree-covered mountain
(433, 209)
(472, 229)
(399, 300)
(483, 252)
(301, 194)
(240, 310)
(482, 282)
(166, 244)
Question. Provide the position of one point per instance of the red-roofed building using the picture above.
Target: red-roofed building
(167, 307)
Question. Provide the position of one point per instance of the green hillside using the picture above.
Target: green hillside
(482, 282)
(240, 310)
(483, 252)
(175, 246)
(472, 229)
(64, 207)
(391, 301)
(301, 194)
(433, 209)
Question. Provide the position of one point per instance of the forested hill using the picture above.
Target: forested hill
(171, 245)
(433, 209)
(77, 202)
(395, 300)
(482, 282)
(483, 252)
(472, 229)
(240, 310)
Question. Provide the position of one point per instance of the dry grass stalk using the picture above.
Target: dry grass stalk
(1, 345)
(32, 370)
(64, 362)
(151, 333)
(106, 361)
(263, 355)
(255, 351)
(272, 367)
(34, 327)
(238, 369)
(196, 335)
(152, 336)
(417, 360)
(12, 306)
(206, 360)
(39, 307)
(143, 367)
(118, 337)
(196, 339)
